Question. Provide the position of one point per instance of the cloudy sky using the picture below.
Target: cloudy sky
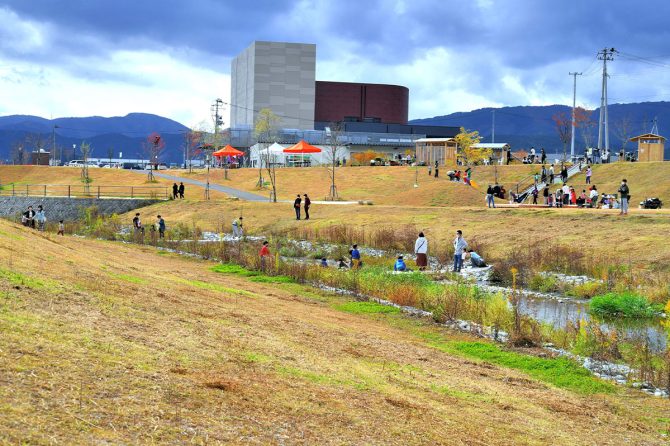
(172, 57)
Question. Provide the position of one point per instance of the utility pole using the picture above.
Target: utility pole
(574, 104)
(603, 126)
(53, 146)
(493, 126)
(216, 116)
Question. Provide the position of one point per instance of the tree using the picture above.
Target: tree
(623, 129)
(153, 146)
(110, 154)
(85, 153)
(471, 155)
(265, 129)
(586, 125)
(563, 124)
(193, 141)
(333, 153)
(19, 153)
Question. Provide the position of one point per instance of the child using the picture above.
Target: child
(61, 228)
(342, 264)
(264, 253)
(324, 263)
(400, 265)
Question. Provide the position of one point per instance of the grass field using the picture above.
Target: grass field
(109, 343)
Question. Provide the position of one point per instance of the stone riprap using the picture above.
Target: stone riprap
(69, 209)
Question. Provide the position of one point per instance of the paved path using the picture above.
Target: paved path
(242, 195)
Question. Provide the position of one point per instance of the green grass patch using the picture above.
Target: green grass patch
(256, 357)
(216, 287)
(626, 305)
(18, 279)
(559, 372)
(129, 278)
(366, 308)
(231, 268)
(271, 279)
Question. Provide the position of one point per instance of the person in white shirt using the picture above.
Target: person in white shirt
(460, 245)
(566, 193)
(421, 251)
(593, 195)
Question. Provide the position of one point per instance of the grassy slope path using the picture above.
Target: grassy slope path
(110, 343)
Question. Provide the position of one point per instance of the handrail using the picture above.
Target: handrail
(84, 190)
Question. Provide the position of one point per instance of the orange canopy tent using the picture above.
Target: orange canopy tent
(302, 147)
(228, 151)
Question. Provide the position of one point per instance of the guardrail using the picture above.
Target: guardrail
(84, 191)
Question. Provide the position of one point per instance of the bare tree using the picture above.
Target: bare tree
(334, 150)
(193, 140)
(270, 159)
(586, 125)
(153, 146)
(19, 153)
(623, 129)
(265, 131)
(110, 154)
(563, 125)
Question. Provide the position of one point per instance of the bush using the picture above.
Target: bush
(627, 305)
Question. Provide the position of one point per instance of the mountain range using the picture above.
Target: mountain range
(522, 127)
(527, 126)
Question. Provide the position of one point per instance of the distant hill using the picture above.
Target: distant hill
(527, 126)
(120, 134)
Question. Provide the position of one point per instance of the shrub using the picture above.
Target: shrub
(626, 305)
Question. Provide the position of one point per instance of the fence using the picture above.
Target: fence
(84, 190)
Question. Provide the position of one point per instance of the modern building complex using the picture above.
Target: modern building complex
(281, 76)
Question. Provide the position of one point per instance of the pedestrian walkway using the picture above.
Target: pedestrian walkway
(242, 195)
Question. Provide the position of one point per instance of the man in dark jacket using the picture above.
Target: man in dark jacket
(296, 207)
(624, 192)
(181, 190)
(29, 217)
(175, 191)
(308, 203)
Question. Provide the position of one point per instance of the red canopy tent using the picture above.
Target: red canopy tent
(228, 151)
(302, 147)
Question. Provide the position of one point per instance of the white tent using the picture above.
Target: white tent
(258, 154)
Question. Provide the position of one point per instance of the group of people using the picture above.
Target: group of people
(178, 191)
(493, 192)
(532, 157)
(458, 175)
(159, 226)
(37, 219)
(306, 203)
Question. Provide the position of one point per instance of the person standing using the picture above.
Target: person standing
(535, 194)
(137, 224)
(264, 254)
(588, 174)
(237, 227)
(175, 191)
(61, 228)
(308, 203)
(181, 190)
(532, 155)
(41, 218)
(564, 173)
(421, 251)
(545, 194)
(593, 196)
(543, 155)
(544, 173)
(624, 192)
(489, 197)
(460, 246)
(296, 207)
(355, 257)
(437, 170)
(566, 194)
(536, 178)
(551, 174)
(161, 227)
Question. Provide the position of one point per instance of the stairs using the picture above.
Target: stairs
(525, 187)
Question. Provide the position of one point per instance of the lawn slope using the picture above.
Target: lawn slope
(110, 343)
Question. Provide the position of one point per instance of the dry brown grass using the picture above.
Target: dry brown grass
(110, 343)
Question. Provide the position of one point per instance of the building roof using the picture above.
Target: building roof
(647, 135)
(490, 145)
(434, 140)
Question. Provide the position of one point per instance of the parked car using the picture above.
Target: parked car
(158, 167)
(76, 163)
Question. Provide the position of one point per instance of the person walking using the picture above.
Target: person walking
(421, 251)
(535, 194)
(543, 174)
(264, 254)
(589, 172)
(624, 193)
(551, 174)
(296, 207)
(175, 191)
(460, 245)
(40, 218)
(181, 190)
(161, 226)
(61, 228)
(307, 205)
(564, 174)
(237, 227)
(489, 197)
